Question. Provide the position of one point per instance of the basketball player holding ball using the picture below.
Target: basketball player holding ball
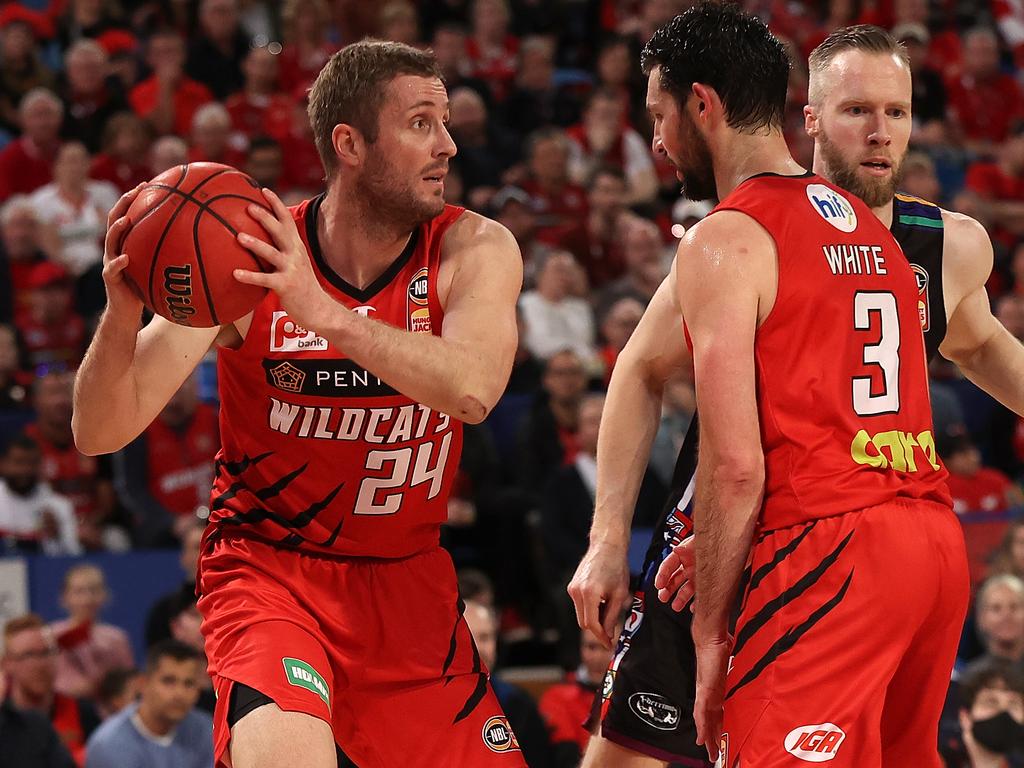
(330, 613)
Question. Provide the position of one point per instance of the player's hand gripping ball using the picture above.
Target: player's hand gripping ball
(182, 244)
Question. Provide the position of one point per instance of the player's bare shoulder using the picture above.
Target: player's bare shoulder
(475, 244)
(966, 257)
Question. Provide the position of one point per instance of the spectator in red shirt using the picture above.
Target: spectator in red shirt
(167, 472)
(89, 648)
(20, 251)
(303, 169)
(995, 190)
(594, 240)
(492, 51)
(567, 706)
(25, 163)
(605, 138)
(306, 49)
(449, 47)
(53, 333)
(260, 108)
(85, 480)
(976, 488)
(168, 99)
(29, 662)
(122, 161)
(557, 201)
(212, 141)
(90, 97)
(979, 493)
(980, 86)
(21, 67)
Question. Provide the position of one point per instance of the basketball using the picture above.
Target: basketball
(182, 245)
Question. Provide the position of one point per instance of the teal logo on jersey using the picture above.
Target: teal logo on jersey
(301, 674)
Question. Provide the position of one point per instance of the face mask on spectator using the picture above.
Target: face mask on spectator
(999, 734)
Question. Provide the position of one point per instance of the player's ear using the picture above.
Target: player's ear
(349, 144)
(707, 100)
(811, 121)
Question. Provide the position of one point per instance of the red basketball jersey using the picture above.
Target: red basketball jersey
(842, 381)
(317, 452)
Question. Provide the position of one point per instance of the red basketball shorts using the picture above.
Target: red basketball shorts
(376, 648)
(846, 641)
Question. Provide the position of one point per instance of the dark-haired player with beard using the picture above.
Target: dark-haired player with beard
(651, 678)
(331, 616)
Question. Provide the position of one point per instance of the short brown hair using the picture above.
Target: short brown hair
(986, 673)
(21, 623)
(351, 88)
(860, 37)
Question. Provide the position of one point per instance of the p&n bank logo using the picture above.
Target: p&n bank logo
(287, 336)
(832, 207)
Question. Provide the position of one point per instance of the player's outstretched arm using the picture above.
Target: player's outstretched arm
(726, 282)
(462, 372)
(655, 352)
(128, 375)
(977, 342)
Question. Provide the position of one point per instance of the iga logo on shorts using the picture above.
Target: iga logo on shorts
(301, 674)
(497, 735)
(655, 710)
(815, 743)
(832, 207)
(287, 336)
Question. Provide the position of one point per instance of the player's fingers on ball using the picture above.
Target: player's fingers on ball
(263, 249)
(279, 208)
(115, 234)
(263, 279)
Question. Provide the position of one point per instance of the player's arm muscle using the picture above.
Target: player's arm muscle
(975, 340)
(127, 377)
(654, 353)
(725, 274)
(463, 371)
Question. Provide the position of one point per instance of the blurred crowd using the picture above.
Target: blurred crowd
(547, 109)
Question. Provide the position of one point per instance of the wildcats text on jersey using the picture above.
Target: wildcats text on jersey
(395, 424)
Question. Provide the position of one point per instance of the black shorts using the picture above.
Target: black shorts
(646, 704)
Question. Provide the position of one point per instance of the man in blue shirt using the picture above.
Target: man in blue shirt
(164, 730)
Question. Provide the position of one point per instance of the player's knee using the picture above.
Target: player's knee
(267, 738)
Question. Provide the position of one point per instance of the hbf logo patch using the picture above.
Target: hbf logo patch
(815, 743)
(497, 735)
(832, 207)
(302, 675)
(419, 301)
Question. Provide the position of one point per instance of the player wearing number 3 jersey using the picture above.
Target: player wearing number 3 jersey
(817, 459)
(330, 613)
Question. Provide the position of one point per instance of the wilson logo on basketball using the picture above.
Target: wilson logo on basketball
(497, 735)
(287, 336)
(178, 288)
(815, 743)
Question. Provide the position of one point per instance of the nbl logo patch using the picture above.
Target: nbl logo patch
(418, 302)
(832, 207)
(497, 735)
(921, 276)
